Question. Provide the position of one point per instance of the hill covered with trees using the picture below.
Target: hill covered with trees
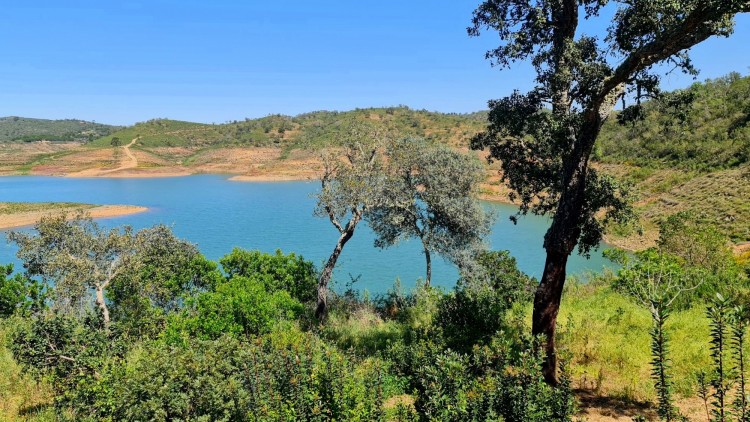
(24, 129)
(705, 127)
(309, 130)
(688, 151)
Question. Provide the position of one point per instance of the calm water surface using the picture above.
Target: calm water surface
(217, 215)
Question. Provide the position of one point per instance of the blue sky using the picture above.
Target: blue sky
(129, 61)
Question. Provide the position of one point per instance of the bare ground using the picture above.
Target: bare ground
(20, 219)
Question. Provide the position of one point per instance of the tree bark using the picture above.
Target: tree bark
(100, 302)
(321, 310)
(562, 236)
(428, 262)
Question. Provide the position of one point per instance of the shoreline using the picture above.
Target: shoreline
(271, 178)
(105, 211)
(23, 219)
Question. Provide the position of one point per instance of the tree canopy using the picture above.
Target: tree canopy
(430, 194)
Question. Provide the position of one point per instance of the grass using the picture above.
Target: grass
(606, 332)
(8, 208)
(718, 198)
(608, 335)
(21, 397)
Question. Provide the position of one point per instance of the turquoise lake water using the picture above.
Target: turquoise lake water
(217, 215)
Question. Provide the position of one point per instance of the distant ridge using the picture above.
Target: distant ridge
(311, 130)
(25, 129)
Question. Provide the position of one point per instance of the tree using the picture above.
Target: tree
(430, 195)
(131, 274)
(279, 272)
(349, 188)
(78, 256)
(544, 139)
(115, 142)
(164, 270)
(656, 280)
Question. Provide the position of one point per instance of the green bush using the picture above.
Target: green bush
(71, 353)
(499, 381)
(278, 271)
(18, 293)
(476, 310)
(280, 377)
(240, 306)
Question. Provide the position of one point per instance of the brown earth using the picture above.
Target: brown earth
(21, 219)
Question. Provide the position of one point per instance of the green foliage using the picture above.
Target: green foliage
(710, 133)
(430, 193)
(499, 381)
(738, 337)
(18, 294)
(315, 130)
(718, 314)
(661, 363)
(281, 377)
(291, 273)
(692, 262)
(699, 245)
(163, 273)
(71, 353)
(239, 306)
(69, 130)
(477, 309)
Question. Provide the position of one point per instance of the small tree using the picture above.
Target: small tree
(430, 194)
(719, 315)
(115, 142)
(349, 188)
(78, 256)
(655, 281)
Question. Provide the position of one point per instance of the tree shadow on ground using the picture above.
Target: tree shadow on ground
(592, 404)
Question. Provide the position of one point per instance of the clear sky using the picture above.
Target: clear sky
(212, 61)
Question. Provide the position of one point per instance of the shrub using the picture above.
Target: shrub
(71, 353)
(499, 381)
(278, 377)
(278, 271)
(477, 308)
(238, 306)
(18, 293)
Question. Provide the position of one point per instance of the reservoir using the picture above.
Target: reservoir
(217, 215)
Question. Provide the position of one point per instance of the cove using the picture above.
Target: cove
(218, 215)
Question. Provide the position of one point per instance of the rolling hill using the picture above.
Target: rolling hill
(689, 151)
(23, 129)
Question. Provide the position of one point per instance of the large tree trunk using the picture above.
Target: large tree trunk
(100, 302)
(559, 242)
(562, 236)
(428, 261)
(546, 308)
(325, 276)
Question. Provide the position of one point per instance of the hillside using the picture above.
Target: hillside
(711, 132)
(274, 147)
(691, 157)
(23, 129)
(309, 130)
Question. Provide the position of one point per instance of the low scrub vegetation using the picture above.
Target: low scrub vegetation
(237, 340)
